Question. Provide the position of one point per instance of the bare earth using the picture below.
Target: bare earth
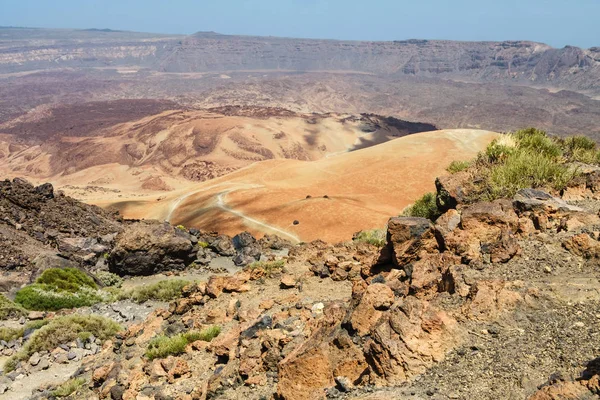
(363, 189)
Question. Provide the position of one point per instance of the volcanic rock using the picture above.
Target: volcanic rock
(144, 248)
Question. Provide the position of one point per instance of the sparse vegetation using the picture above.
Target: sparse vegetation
(203, 244)
(63, 330)
(270, 267)
(59, 288)
(164, 346)
(8, 334)
(160, 291)
(425, 207)
(181, 228)
(109, 279)
(376, 237)
(529, 158)
(458, 166)
(69, 387)
(8, 309)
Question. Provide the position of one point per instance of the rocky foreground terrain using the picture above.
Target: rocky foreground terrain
(494, 300)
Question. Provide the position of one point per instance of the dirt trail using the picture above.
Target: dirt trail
(222, 205)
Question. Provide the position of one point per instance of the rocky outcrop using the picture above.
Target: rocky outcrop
(328, 354)
(486, 233)
(144, 248)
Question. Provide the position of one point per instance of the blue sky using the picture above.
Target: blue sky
(556, 22)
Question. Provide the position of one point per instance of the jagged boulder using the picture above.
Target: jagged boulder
(148, 247)
(408, 339)
(409, 238)
(329, 352)
(487, 233)
(452, 190)
(223, 246)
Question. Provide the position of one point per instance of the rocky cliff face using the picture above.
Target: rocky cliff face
(516, 61)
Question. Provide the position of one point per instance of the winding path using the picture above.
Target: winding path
(220, 203)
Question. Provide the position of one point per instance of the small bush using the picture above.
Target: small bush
(59, 288)
(579, 142)
(376, 237)
(69, 387)
(164, 346)
(109, 279)
(9, 310)
(270, 267)
(458, 166)
(425, 207)
(8, 334)
(584, 156)
(63, 330)
(69, 279)
(206, 334)
(497, 152)
(527, 169)
(537, 141)
(203, 244)
(166, 290)
(43, 297)
(181, 228)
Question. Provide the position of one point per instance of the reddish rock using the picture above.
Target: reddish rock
(310, 368)
(563, 391)
(287, 281)
(376, 299)
(410, 238)
(491, 298)
(408, 340)
(583, 245)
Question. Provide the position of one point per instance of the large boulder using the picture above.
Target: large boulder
(148, 247)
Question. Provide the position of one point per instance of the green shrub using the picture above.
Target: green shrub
(59, 288)
(160, 291)
(69, 387)
(525, 169)
(458, 166)
(69, 279)
(537, 141)
(376, 237)
(9, 310)
(425, 207)
(584, 156)
(203, 244)
(109, 279)
(43, 297)
(164, 346)
(206, 334)
(270, 267)
(8, 334)
(63, 330)
(579, 142)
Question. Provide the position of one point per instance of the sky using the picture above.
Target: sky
(555, 22)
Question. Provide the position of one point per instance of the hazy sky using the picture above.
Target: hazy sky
(556, 22)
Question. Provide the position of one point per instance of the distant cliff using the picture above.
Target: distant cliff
(520, 62)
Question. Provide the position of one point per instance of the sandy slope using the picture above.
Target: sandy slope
(364, 188)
